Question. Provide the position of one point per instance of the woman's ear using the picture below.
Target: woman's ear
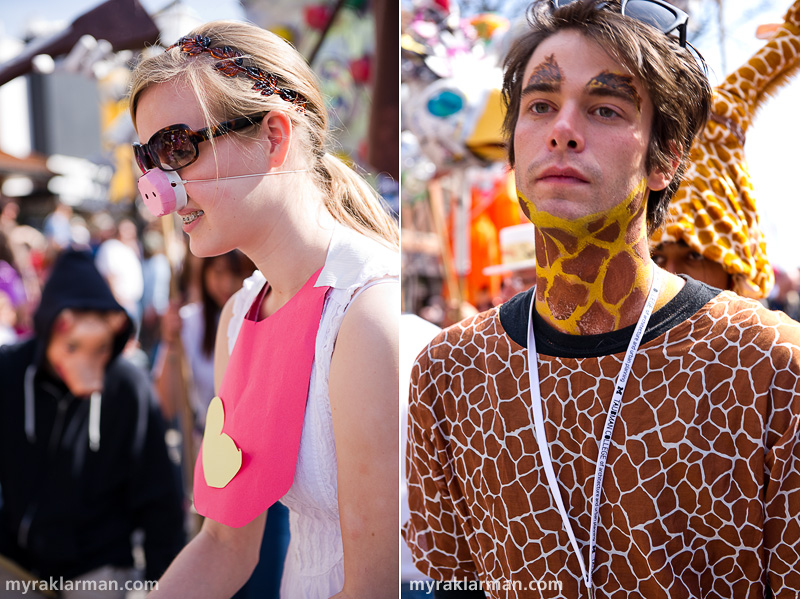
(276, 132)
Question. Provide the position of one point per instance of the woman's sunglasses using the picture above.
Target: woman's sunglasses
(664, 17)
(177, 146)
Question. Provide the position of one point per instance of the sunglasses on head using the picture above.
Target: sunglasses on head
(661, 15)
(177, 146)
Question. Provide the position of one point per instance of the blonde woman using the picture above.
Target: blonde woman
(233, 135)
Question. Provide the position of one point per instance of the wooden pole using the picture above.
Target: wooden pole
(437, 216)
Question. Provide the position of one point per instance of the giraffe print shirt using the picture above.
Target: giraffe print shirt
(701, 496)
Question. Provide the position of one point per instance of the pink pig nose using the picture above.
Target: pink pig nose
(162, 191)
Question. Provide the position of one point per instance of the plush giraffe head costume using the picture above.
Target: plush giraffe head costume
(714, 210)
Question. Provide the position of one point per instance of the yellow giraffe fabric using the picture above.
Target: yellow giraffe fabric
(714, 210)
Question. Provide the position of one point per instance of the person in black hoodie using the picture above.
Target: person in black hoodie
(83, 461)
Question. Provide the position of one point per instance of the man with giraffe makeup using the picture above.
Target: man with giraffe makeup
(616, 431)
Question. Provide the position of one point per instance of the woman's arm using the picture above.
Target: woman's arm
(364, 392)
(220, 559)
(215, 564)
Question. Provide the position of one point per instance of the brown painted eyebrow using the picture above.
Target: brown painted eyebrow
(546, 77)
(614, 84)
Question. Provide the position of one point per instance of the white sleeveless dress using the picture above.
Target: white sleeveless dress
(314, 567)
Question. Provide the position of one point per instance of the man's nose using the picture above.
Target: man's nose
(567, 131)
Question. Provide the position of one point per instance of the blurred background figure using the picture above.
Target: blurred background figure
(785, 294)
(9, 212)
(58, 228)
(192, 329)
(156, 276)
(13, 289)
(18, 245)
(188, 336)
(83, 463)
(8, 320)
(118, 260)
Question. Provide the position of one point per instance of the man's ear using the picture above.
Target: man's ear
(276, 132)
(658, 179)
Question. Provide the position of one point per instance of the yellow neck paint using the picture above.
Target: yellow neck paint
(593, 273)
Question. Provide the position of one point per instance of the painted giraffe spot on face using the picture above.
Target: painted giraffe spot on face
(546, 76)
(596, 225)
(527, 207)
(548, 247)
(610, 233)
(615, 84)
(636, 227)
(634, 301)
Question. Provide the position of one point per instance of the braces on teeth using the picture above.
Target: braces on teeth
(191, 216)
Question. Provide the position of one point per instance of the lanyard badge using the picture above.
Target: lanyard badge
(605, 441)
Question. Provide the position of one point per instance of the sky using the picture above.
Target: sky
(14, 14)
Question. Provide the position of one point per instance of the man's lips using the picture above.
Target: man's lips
(561, 175)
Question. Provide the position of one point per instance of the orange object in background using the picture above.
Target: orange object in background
(493, 208)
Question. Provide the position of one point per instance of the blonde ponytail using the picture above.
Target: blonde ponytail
(354, 203)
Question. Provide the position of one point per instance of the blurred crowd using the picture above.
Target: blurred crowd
(131, 256)
(173, 305)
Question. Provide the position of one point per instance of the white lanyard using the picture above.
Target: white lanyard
(611, 418)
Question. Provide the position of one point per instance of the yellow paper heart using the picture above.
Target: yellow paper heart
(221, 458)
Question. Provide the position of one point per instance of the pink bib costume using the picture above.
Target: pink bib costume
(314, 565)
(263, 395)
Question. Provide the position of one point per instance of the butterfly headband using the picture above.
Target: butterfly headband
(231, 63)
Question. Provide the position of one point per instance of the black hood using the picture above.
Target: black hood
(75, 283)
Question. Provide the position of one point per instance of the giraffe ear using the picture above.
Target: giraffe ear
(659, 179)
